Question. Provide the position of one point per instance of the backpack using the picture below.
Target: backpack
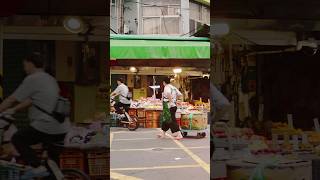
(61, 110)
(129, 96)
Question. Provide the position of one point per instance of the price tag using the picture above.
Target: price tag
(290, 120)
(316, 124)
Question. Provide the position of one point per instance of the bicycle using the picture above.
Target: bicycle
(130, 122)
(6, 121)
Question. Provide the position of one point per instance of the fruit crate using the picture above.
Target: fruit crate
(142, 122)
(153, 115)
(9, 172)
(152, 124)
(98, 163)
(141, 113)
(132, 112)
(72, 159)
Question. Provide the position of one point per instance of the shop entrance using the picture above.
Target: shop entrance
(290, 85)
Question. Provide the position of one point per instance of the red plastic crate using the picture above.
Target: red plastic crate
(100, 177)
(72, 153)
(178, 121)
(153, 115)
(72, 159)
(132, 112)
(72, 163)
(142, 122)
(98, 163)
(152, 124)
(141, 113)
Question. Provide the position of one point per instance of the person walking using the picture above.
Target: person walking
(169, 100)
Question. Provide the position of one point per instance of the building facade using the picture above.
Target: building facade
(156, 17)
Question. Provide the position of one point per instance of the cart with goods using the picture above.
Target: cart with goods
(194, 123)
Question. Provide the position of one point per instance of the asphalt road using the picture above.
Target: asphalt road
(141, 155)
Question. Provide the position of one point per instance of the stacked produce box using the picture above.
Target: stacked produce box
(152, 118)
(141, 114)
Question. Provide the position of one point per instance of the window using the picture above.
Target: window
(161, 17)
(200, 13)
(205, 15)
(195, 10)
(160, 2)
(151, 26)
(170, 25)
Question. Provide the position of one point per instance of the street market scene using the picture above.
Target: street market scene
(45, 54)
(159, 99)
(266, 63)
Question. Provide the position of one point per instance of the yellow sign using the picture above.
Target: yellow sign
(139, 93)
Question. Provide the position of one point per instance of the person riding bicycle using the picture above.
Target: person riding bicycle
(123, 92)
(38, 89)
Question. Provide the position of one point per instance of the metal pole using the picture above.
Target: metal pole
(185, 17)
(1, 58)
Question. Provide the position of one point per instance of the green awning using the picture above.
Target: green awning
(158, 47)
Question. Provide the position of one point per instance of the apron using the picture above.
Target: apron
(166, 115)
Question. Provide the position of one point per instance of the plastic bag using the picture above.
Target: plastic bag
(76, 136)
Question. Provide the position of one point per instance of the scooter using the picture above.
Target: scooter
(124, 119)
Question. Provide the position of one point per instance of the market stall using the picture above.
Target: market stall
(287, 152)
(149, 110)
(143, 61)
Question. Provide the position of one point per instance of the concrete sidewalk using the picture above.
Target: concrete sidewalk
(141, 155)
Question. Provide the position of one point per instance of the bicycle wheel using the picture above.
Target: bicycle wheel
(74, 174)
(133, 125)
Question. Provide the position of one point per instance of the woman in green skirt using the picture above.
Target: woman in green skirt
(168, 120)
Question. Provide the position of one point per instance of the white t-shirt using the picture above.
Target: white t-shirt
(173, 91)
(123, 91)
(43, 90)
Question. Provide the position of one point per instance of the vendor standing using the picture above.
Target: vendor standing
(169, 98)
(123, 92)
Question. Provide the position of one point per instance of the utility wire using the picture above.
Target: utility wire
(245, 39)
(164, 22)
(113, 31)
(194, 30)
